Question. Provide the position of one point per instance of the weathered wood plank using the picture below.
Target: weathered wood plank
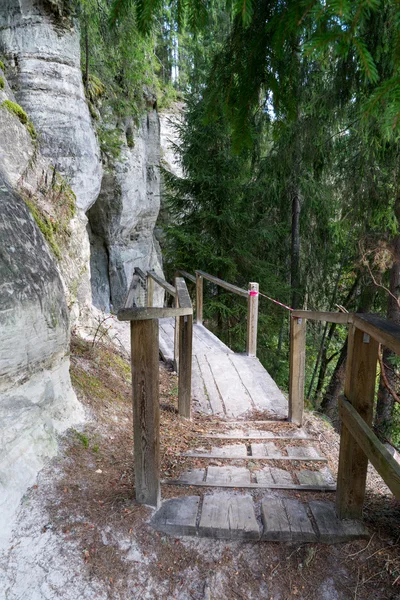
(213, 394)
(286, 520)
(331, 529)
(227, 516)
(330, 317)
(255, 486)
(308, 452)
(209, 339)
(182, 293)
(193, 476)
(252, 319)
(199, 299)
(224, 284)
(259, 435)
(272, 475)
(142, 314)
(307, 477)
(177, 516)
(237, 457)
(233, 393)
(188, 275)
(185, 366)
(383, 331)
(360, 391)
(377, 453)
(234, 476)
(164, 284)
(266, 449)
(146, 412)
(199, 393)
(297, 369)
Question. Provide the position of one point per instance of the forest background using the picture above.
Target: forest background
(289, 145)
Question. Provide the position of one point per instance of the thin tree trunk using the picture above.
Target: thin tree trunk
(330, 400)
(87, 58)
(385, 402)
(295, 251)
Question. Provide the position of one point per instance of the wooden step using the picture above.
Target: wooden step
(232, 516)
(266, 478)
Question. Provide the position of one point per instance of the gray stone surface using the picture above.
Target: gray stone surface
(333, 530)
(177, 516)
(36, 397)
(273, 475)
(123, 218)
(45, 72)
(267, 449)
(228, 516)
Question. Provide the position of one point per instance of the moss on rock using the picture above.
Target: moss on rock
(2, 83)
(18, 111)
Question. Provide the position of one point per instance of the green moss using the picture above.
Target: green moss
(82, 438)
(2, 83)
(45, 226)
(19, 112)
(2, 66)
(16, 110)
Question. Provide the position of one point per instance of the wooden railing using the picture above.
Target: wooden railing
(252, 304)
(358, 443)
(145, 375)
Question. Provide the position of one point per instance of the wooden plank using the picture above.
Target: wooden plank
(254, 486)
(261, 435)
(272, 475)
(297, 369)
(207, 337)
(188, 275)
(308, 452)
(233, 456)
(164, 284)
(199, 299)
(232, 391)
(260, 386)
(150, 291)
(268, 449)
(141, 314)
(286, 520)
(146, 412)
(177, 516)
(331, 529)
(232, 476)
(199, 394)
(383, 331)
(224, 284)
(330, 317)
(193, 476)
(216, 404)
(252, 319)
(378, 454)
(227, 516)
(307, 477)
(185, 366)
(182, 293)
(360, 391)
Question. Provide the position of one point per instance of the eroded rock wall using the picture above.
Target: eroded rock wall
(123, 218)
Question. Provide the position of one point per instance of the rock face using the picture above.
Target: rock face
(122, 219)
(43, 56)
(36, 399)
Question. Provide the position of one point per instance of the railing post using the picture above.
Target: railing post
(146, 415)
(199, 299)
(359, 390)
(185, 366)
(176, 333)
(252, 319)
(297, 369)
(150, 291)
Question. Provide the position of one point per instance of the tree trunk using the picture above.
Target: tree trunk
(295, 251)
(87, 57)
(385, 402)
(330, 400)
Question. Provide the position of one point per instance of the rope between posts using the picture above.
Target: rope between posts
(254, 293)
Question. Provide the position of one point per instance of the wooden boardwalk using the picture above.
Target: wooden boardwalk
(224, 383)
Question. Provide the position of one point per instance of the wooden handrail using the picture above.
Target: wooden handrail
(184, 300)
(224, 284)
(187, 275)
(330, 317)
(379, 456)
(164, 284)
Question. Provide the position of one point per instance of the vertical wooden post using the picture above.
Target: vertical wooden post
(150, 291)
(297, 369)
(146, 412)
(359, 390)
(199, 299)
(252, 320)
(176, 336)
(185, 366)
